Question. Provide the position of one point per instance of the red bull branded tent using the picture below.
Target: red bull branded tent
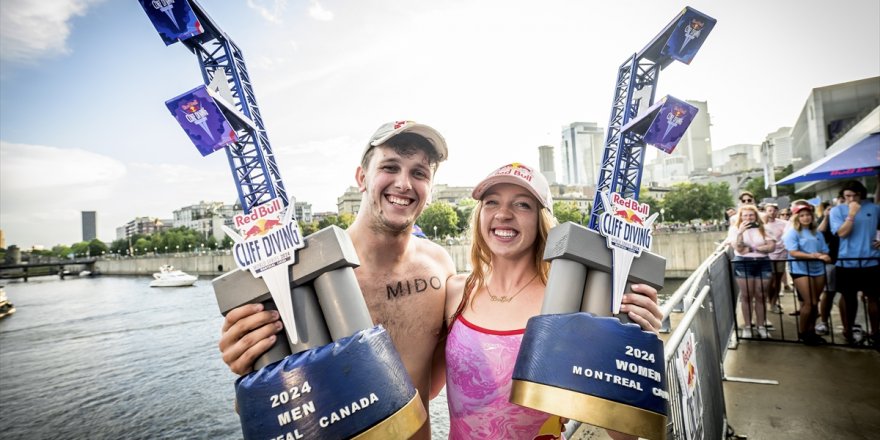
(860, 159)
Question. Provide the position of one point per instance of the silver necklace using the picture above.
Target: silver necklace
(505, 298)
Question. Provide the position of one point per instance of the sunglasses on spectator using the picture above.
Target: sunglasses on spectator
(784, 214)
(747, 200)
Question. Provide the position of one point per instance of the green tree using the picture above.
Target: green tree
(688, 201)
(655, 204)
(464, 210)
(308, 228)
(328, 221)
(61, 251)
(442, 215)
(345, 220)
(567, 212)
(97, 248)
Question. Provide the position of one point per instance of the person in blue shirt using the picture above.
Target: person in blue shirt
(855, 222)
(807, 245)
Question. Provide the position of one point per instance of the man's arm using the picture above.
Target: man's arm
(438, 367)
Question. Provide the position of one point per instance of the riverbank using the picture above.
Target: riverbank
(683, 253)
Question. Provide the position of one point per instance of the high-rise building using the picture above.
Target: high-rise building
(546, 163)
(582, 146)
(89, 226)
(780, 147)
(736, 158)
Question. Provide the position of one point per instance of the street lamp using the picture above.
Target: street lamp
(435, 232)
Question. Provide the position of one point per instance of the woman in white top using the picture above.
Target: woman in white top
(751, 245)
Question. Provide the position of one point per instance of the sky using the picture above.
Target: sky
(83, 125)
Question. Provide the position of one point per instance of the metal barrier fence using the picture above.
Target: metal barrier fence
(695, 351)
(782, 324)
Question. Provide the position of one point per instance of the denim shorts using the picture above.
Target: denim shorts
(752, 267)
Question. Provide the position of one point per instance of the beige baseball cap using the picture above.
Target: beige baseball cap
(394, 128)
(518, 174)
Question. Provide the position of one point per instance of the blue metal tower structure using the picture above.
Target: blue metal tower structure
(624, 154)
(221, 61)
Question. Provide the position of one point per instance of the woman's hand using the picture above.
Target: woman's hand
(642, 307)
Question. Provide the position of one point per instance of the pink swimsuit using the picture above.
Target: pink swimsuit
(479, 365)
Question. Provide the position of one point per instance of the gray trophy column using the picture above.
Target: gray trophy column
(319, 301)
(580, 272)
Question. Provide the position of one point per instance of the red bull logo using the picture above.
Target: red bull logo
(261, 227)
(191, 106)
(516, 169)
(246, 222)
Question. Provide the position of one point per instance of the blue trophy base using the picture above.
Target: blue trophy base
(593, 369)
(356, 387)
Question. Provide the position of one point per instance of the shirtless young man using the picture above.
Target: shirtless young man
(402, 278)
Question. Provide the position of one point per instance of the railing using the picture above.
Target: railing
(708, 327)
(783, 325)
(695, 375)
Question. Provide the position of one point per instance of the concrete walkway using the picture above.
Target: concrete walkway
(827, 392)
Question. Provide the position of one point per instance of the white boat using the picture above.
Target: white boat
(6, 307)
(168, 276)
(85, 273)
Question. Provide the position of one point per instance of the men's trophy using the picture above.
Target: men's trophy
(578, 359)
(332, 374)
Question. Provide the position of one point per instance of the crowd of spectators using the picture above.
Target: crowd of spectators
(827, 250)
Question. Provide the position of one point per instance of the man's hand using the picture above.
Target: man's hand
(248, 332)
(854, 208)
(642, 307)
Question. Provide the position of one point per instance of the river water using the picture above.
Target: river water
(110, 357)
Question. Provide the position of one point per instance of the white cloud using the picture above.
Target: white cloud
(36, 167)
(33, 29)
(271, 14)
(318, 12)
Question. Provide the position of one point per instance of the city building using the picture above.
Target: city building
(583, 144)
(450, 194)
(737, 158)
(833, 119)
(546, 163)
(779, 147)
(582, 200)
(207, 218)
(143, 226)
(349, 201)
(303, 211)
(2, 240)
(89, 226)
